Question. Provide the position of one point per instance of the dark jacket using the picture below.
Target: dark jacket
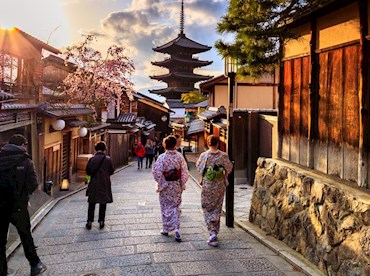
(100, 190)
(15, 156)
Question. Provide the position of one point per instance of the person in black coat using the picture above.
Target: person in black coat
(18, 181)
(100, 168)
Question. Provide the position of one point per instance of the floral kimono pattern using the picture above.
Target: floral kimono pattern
(170, 191)
(213, 192)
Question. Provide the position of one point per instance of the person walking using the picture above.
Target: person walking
(140, 153)
(180, 148)
(17, 182)
(171, 174)
(215, 166)
(100, 168)
(149, 152)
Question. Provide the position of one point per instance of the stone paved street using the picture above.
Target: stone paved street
(131, 244)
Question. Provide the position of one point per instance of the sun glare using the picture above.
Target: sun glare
(43, 19)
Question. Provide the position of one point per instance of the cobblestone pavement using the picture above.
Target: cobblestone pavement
(130, 244)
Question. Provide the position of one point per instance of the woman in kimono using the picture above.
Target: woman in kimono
(214, 165)
(171, 173)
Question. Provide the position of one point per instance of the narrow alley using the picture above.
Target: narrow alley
(131, 243)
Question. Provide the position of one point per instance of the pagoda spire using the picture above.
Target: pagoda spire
(182, 18)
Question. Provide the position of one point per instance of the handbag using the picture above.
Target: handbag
(94, 174)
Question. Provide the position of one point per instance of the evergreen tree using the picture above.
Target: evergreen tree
(193, 97)
(259, 26)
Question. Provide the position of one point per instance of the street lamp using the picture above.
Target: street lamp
(231, 67)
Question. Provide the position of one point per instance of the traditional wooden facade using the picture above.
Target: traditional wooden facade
(324, 96)
(21, 77)
(181, 64)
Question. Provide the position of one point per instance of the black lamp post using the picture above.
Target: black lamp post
(231, 67)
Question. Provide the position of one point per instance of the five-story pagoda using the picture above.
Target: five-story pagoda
(180, 64)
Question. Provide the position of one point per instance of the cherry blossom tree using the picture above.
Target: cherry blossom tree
(97, 81)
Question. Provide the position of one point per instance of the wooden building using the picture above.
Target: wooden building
(21, 77)
(324, 97)
(315, 196)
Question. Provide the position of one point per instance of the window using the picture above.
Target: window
(15, 73)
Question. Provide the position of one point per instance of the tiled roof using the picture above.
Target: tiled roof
(175, 103)
(12, 106)
(126, 118)
(202, 104)
(196, 126)
(182, 41)
(65, 110)
(183, 75)
(4, 96)
(175, 60)
(76, 123)
(212, 112)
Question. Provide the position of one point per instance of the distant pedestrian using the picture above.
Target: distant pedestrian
(100, 168)
(215, 166)
(17, 182)
(180, 148)
(171, 174)
(149, 153)
(140, 153)
(161, 147)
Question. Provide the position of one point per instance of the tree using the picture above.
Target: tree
(193, 97)
(259, 27)
(97, 81)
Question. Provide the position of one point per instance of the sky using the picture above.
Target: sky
(138, 25)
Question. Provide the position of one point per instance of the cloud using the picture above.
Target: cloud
(146, 24)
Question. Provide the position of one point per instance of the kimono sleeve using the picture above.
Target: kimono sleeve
(157, 172)
(201, 162)
(184, 172)
(227, 164)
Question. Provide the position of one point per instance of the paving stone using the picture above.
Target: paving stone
(260, 264)
(164, 247)
(216, 254)
(206, 267)
(137, 259)
(146, 270)
(103, 236)
(75, 268)
(82, 246)
(98, 253)
(58, 240)
(224, 244)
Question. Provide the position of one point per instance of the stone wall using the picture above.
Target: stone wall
(327, 221)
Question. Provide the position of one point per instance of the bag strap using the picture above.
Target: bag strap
(101, 162)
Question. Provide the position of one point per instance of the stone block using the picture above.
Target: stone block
(317, 192)
(268, 180)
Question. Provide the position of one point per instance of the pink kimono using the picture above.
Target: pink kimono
(213, 191)
(170, 191)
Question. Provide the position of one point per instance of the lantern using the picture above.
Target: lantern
(82, 132)
(59, 124)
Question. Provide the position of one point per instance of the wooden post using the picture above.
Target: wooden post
(364, 96)
(280, 106)
(314, 95)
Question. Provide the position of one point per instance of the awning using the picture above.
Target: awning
(76, 123)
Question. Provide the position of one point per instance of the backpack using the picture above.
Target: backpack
(9, 193)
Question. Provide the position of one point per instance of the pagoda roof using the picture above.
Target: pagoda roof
(180, 75)
(183, 43)
(177, 60)
(172, 92)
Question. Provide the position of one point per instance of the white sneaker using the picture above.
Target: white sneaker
(213, 240)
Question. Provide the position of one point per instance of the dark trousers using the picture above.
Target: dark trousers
(91, 211)
(149, 159)
(140, 162)
(21, 220)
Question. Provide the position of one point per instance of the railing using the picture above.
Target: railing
(20, 91)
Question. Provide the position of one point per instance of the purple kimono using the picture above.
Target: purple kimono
(170, 191)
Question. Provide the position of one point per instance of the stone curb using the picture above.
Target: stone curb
(278, 247)
(44, 210)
